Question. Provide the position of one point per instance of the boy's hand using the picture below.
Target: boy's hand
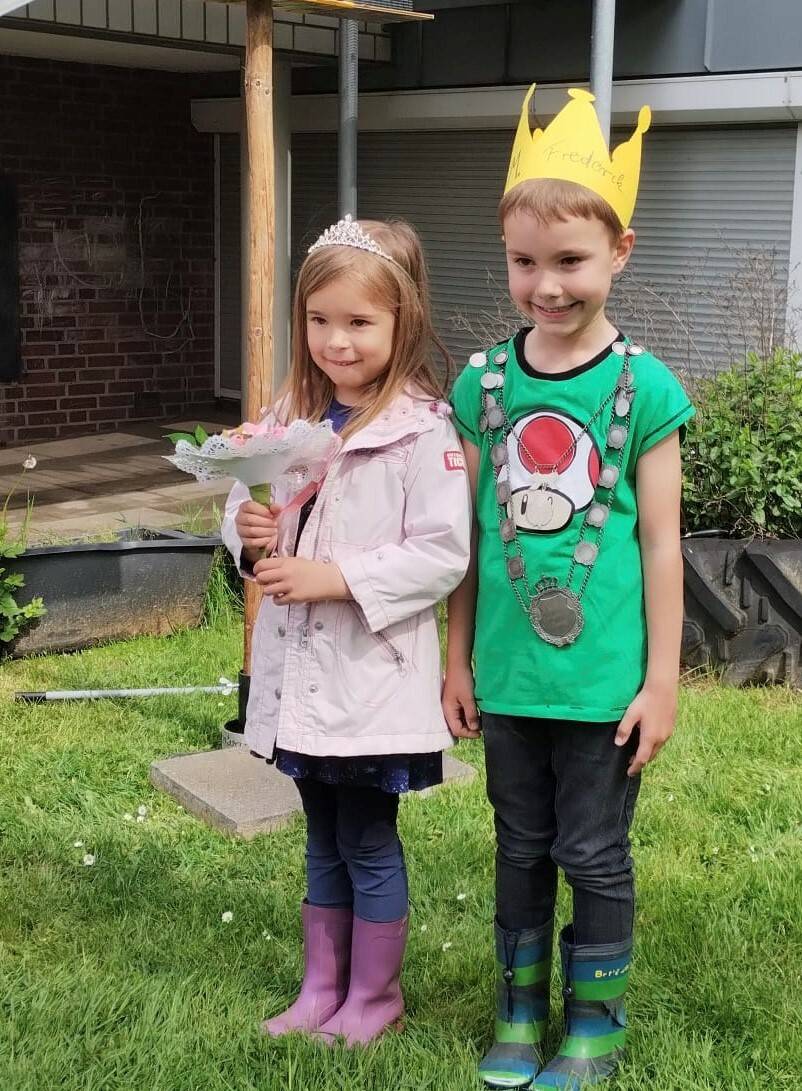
(654, 711)
(296, 579)
(459, 706)
(257, 526)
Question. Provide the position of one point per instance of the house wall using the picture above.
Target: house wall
(713, 225)
(116, 247)
(475, 44)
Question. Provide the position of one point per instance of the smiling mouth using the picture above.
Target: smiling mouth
(342, 363)
(557, 310)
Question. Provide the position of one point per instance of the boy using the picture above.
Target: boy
(572, 607)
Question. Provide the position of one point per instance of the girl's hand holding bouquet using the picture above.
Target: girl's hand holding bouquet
(257, 526)
(263, 456)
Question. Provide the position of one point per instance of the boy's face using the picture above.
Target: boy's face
(560, 274)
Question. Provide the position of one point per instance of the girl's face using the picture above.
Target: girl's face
(350, 337)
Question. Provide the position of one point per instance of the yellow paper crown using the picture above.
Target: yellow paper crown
(572, 148)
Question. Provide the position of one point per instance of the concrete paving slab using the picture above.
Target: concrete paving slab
(45, 472)
(96, 481)
(67, 507)
(44, 486)
(94, 521)
(229, 790)
(120, 501)
(241, 795)
(194, 489)
(59, 494)
(148, 516)
(453, 770)
(189, 426)
(98, 443)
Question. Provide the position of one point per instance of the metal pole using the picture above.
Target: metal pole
(349, 110)
(37, 697)
(602, 47)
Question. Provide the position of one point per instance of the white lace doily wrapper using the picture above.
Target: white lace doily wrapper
(288, 462)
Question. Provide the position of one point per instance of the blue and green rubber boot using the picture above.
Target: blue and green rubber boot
(595, 980)
(523, 971)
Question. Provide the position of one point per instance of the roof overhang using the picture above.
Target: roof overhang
(82, 48)
(353, 9)
(338, 9)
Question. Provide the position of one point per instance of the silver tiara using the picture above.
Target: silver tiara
(347, 232)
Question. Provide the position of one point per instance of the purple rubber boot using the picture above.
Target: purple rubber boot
(327, 960)
(374, 1002)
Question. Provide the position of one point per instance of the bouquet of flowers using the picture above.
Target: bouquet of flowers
(262, 456)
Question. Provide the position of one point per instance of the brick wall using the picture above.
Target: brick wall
(116, 247)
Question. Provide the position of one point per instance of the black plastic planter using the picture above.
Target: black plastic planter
(743, 609)
(145, 582)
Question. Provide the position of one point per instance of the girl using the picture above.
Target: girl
(345, 694)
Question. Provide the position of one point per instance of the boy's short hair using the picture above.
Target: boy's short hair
(551, 199)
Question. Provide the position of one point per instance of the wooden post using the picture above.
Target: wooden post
(261, 224)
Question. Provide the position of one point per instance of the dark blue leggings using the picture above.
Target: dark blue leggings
(353, 854)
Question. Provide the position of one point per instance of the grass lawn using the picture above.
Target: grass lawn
(122, 976)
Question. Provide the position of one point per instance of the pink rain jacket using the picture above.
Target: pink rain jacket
(363, 676)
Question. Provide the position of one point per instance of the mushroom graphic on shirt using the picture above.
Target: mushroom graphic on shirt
(552, 470)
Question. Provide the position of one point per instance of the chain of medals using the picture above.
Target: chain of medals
(554, 611)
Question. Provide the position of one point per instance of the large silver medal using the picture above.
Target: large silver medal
(556, 614)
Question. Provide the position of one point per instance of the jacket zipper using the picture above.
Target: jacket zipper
(395, 653)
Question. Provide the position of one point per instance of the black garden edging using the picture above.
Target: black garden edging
(145, 582)
(743, 609)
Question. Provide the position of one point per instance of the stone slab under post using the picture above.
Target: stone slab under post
(241, 795)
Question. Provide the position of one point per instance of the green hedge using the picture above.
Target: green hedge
(743, 452)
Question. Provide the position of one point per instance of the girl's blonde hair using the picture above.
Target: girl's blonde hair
(400, 286)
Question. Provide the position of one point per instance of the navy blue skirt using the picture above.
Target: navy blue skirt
(391, 773)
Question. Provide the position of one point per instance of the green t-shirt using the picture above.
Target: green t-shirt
(516, 672)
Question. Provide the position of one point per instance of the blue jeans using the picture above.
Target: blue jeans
(562, 799)
(353, 853)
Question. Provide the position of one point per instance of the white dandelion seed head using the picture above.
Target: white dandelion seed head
(446, 945)
(266, 935)
(142, 810)
(77, 844)
(89, 859)
(424, 928)
(227, 917)
(29, 463)
(461, 897)
(670, 797)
